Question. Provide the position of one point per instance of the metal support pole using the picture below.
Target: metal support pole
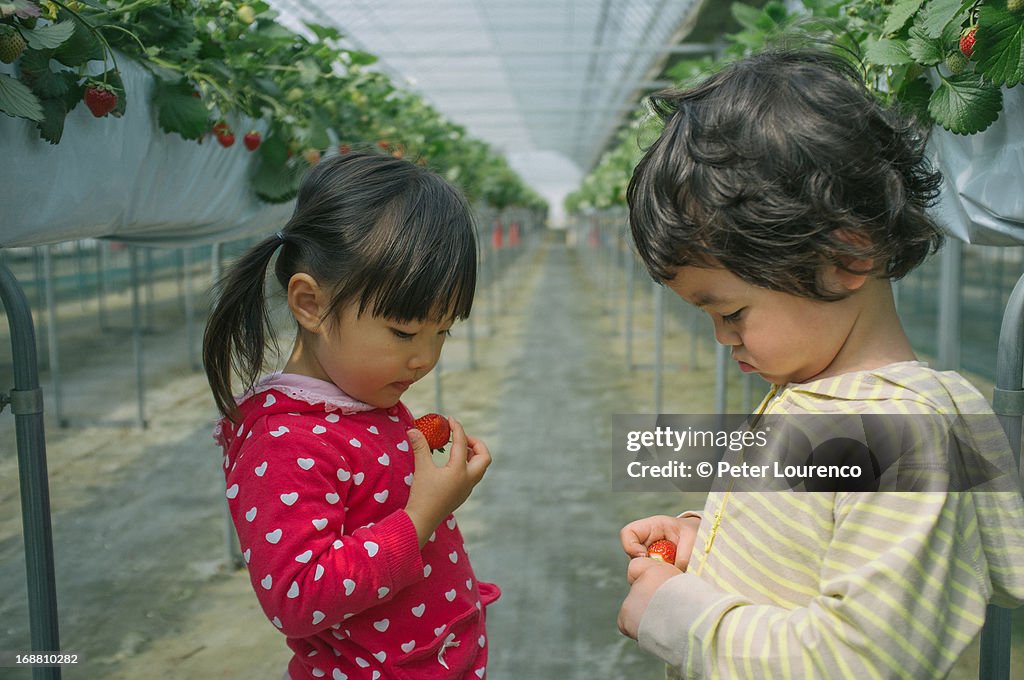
(628, 329)
(950, 279)
(140, 387)
(26, 401)
(53, 351)
(438, 403)
(471, 339)
(659, 332)
(721, 377)
(189, 299)
(1008, 404)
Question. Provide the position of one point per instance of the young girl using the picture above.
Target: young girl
(781, 199)
(343, 518)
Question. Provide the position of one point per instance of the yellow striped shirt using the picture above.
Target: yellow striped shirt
(845, 585)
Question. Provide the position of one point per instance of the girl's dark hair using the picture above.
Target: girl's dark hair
(376, 231)
(779, 164)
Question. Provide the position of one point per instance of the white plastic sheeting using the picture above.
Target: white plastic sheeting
(983, 198)
(125, 178)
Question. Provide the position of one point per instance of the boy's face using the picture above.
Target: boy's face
(782, 337)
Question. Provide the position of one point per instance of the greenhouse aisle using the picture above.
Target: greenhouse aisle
(552, 522)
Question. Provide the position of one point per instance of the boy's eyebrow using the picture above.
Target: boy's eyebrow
(702, 299)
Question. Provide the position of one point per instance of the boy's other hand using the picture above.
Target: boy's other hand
(645, 576)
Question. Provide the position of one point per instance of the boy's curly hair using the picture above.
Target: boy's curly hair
(777, 165)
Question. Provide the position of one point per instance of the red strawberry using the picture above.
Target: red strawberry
(967, 39)
(663, 550)
(100, 99)
(312, 156)
(226, 139)
(436, 429)
(252, 140)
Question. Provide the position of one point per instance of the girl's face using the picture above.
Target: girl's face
(782, 337)
(370, 358)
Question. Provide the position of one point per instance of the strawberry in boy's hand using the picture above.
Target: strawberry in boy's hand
(663, 550)
(436, 430)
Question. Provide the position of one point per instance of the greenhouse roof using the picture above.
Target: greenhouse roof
(546, 82)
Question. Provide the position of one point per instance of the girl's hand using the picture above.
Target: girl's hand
(645, 576)
(682, 531)
(437, 491)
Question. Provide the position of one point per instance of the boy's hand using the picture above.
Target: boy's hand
(645, 576)
(437, 491)
(682, 531)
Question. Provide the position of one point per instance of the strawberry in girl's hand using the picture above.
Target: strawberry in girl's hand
(436, 430)
(663, 550)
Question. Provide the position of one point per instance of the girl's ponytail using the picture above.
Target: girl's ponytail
(239, 325)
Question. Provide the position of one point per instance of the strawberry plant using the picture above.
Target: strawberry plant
(308, 92)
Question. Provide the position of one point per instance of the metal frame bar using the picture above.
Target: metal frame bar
(26, 400)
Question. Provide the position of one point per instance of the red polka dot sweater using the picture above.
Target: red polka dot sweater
(316, 485)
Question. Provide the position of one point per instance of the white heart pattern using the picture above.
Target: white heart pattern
(247, 554)
(344, 475)
(305, 463)
(350, 586)
(304, 557)
(380, 656)
(282, 430)
(403, 446)
(319, 572)
(267, 582)
(338, 675)
(289, 498)
(332, 498)
(261, 468)
(320, 524)
(454, 556)
(450, 595)
(381, 496)
(408, 479)
(319, 429)
(362, 663)
(481, 641)
(451, 523)
(357, 478)
(232, 491)
(382, 592)
(382, 625)
(274, 536)
(373, 429)
(384, 459)
(293, 592)
(277, 622)
(426, 570)
(355, 442)
(318, 616)
(480, 672)
(250, 515)
(317, 673)
(418, 610)
(440, 629)
(332, 417)
(269, 401)
(371, 548)
(408, 646)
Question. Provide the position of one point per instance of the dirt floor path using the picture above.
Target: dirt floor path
(144, 585)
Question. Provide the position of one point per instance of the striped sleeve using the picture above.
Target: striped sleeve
(901, 594)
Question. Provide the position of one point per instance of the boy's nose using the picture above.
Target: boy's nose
(725, 336)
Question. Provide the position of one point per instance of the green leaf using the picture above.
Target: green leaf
(748, 17)
(17, 100)
(277, 182)
(901, 11)
(964, 104)
(51, 128)
(361, 58)
(36, 73)
(179, 111)
(888, 53)
(936, 14)
(999, 49)
(161, 26)
(81, 47)
(324, 32)
(914, 97)
(49, 37)
(925, 50)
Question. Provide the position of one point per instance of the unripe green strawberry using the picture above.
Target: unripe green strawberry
(11, 45)
(956, 63)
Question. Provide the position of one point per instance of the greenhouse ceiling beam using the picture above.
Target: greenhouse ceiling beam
(687, 48)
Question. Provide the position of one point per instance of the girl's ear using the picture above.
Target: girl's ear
(307, 301)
